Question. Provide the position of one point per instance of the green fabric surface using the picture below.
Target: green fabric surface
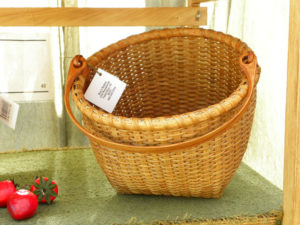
(36, 119)
(86, 197)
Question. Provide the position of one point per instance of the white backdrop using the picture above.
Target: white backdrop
(263, 25)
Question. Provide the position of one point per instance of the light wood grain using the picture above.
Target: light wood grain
(168, 16)
(291, 196)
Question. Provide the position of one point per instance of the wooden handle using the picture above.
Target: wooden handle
(79, 67)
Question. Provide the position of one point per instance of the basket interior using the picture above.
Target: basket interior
(174, 75)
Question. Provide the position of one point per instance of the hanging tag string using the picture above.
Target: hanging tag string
(94, 70)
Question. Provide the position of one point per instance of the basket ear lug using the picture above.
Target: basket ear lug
(248, 63)
(77, 67)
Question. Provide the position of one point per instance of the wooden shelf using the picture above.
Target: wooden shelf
(160, 16)
(86, 197)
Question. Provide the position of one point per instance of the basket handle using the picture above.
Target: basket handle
(79, 66)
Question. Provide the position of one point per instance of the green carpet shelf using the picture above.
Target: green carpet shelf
(86, 197)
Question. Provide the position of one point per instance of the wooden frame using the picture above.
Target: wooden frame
(291, 188)
(164, 16)
(180, 17)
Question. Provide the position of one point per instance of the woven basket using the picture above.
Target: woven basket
(183, 123)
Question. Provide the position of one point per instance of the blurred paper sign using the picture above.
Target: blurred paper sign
(26, 73)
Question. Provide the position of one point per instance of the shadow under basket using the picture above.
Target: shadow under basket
(183, 123)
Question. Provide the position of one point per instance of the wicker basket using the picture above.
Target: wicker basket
(183, 123)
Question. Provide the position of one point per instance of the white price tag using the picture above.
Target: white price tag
(105, 91)
(8, 112)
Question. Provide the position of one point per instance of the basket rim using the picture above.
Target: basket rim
(162, 122)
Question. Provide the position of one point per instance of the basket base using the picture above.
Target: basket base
(169, 174)
(216, 196)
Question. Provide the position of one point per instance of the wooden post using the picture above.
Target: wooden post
(291, 188)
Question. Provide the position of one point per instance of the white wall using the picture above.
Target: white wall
(266, 31)
(263, 25)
